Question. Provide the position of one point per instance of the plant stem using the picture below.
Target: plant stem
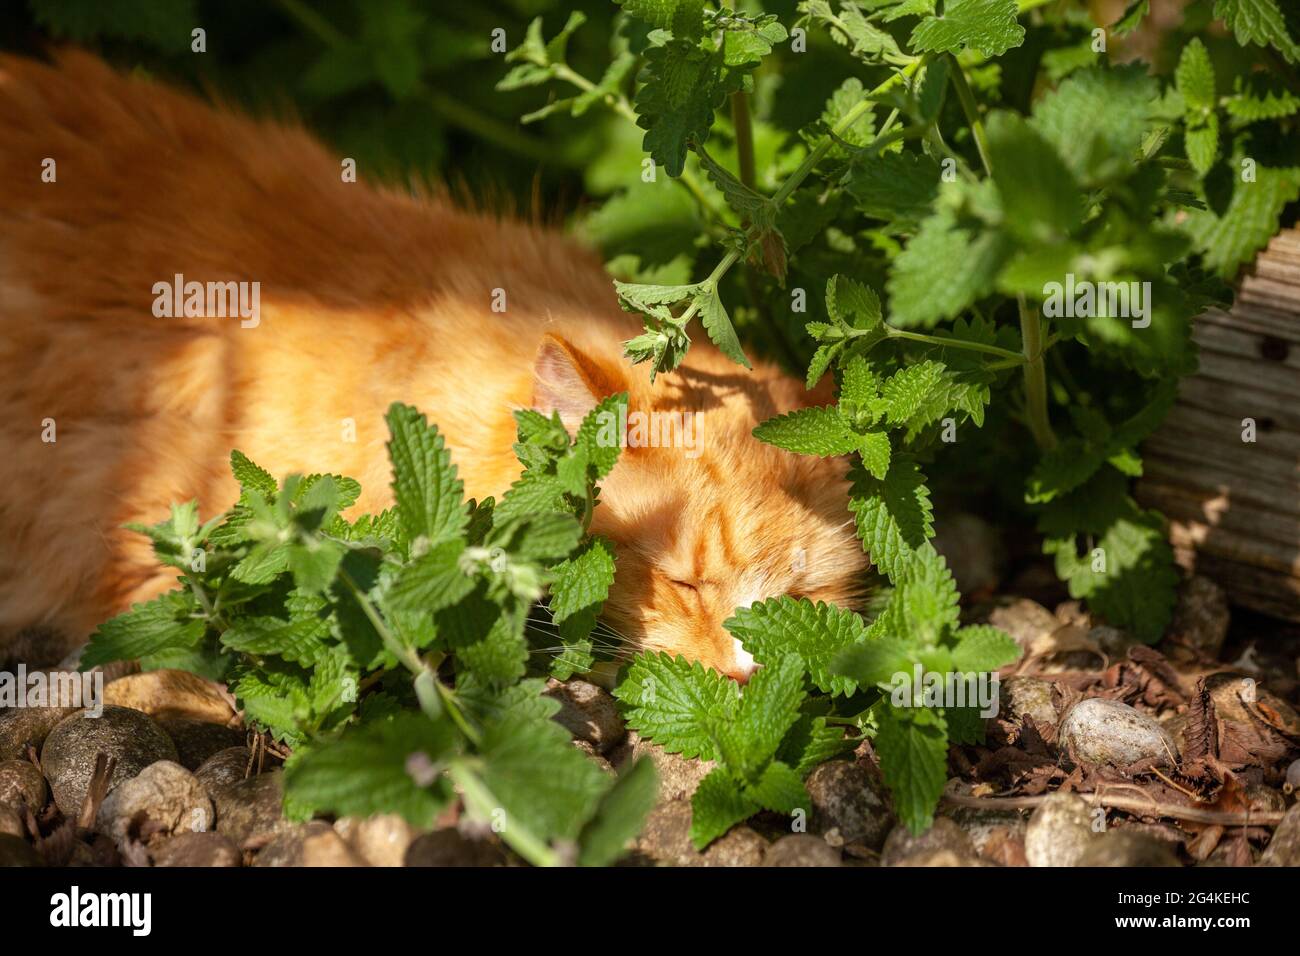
(971, 109)
(1036, 417)
(856, 113)
(1031, 331)
(425, 672)
(740, 120)
(1007, 354)
(482, 801)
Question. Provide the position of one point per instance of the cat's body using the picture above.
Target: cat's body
(366, 297)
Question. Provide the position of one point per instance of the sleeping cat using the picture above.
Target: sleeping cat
(113, 188)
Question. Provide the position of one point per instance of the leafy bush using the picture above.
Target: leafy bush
(935, 167)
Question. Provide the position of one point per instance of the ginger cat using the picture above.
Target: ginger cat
(366, 296)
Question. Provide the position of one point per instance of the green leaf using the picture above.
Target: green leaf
(165, 623)
(620, 815)
(1195, 78)
(913, 746)
(430, 498)
(433, 580)
(301, 640)
(583, 582)
(779, 788)
(1127, 575)
(894, 516)
(365, 771)
(813, 633)
(982, 648)
(818, 430)
(717, 323)
(541, 780)
(716, 806)
(875, 451)
(1258, 21)
(1040, 199)
(944, 269)
(252, 477)
(1251, 219)
(768, 708)
(897, 188)
(989, 26)
(812, 741)
(678, 704)
(1066, 117)
(906, 391)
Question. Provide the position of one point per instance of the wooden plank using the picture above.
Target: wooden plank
(1234, 507)
(1223, 512)
(1236, 342)
(1220, 397)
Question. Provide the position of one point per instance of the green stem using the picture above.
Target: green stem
(1040, 426)
(858, 110)
(744, 127)
(1031, 329)
(1007, 354)
(482, 801)
(971, 109)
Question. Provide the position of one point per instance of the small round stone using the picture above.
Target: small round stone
(1102, 732)
(164, 798)
(252, 809)
(1059, 831)
(68, 757)
(197, 849)
(22, 784)
(801, 849)
(197, 740)
(223, 769)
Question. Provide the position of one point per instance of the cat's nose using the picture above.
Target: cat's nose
(743, 664)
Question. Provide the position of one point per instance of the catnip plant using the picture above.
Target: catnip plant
(988, 235)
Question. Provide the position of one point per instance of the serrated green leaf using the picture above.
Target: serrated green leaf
(678, 704)
(814, 633)
(913, 746)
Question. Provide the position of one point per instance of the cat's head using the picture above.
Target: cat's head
(704, 517)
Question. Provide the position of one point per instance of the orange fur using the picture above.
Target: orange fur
(367, 296)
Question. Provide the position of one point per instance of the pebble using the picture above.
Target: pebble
(989, 829)
(17, 852)
(944, 844)
(197, 740)
(162, 799)
(588, 712)
(1060, 831)
(1121, 848)
(170, 693)
(739, 846)
(11, 821)
(24, 726)
(1098, 732)
(251, 810)
(845, 797)
(381, 840)
(308, 844)
(450, 847)
(223, 769)
(22, 784)
(801, 849)
(1022, 697)
(1024, 620)
(189, 848)
(68, 756)
(1284, 848)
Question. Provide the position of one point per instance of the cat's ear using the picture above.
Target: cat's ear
(570, 381)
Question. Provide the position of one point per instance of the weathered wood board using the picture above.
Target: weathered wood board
(1234, 505)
